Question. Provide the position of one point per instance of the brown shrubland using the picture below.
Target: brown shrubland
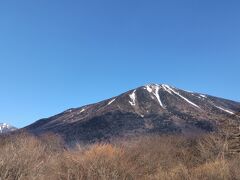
(153, 157)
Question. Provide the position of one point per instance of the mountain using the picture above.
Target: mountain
(154, 108)
(5, 128)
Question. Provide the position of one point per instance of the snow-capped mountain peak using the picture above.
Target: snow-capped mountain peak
(153, 108)
(4, 128)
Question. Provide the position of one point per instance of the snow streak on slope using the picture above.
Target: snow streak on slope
(156, 93)
(154, 89)
(178, 94)
(227, 111)
(82, 110)
(166, 88)
(110, 102)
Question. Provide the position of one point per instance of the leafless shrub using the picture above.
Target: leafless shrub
(150, 157)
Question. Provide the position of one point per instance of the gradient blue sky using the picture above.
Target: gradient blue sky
(58, 54)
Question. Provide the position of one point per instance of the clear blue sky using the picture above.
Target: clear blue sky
(58, 54)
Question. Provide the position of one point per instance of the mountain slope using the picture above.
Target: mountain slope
(152, 108)
(5, 128)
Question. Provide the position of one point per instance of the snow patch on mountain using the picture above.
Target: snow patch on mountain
(133, 98)
(149, 89)
(203, 96)
(82, 110)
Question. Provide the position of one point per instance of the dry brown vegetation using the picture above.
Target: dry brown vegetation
(150, 157)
